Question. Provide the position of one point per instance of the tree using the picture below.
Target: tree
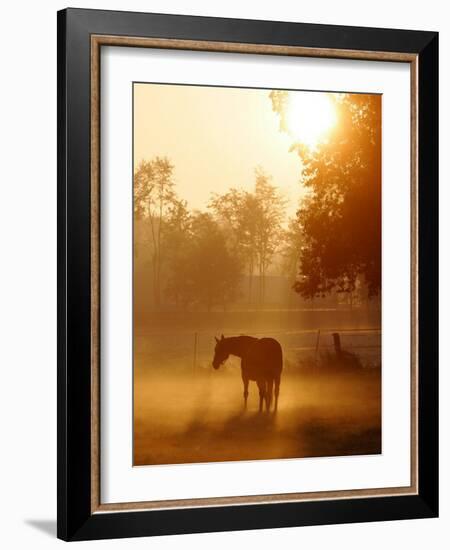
(177, 227)
(268, 215)
(215, 272)
(205, 273)
(255, 218)
(340, 218)
(153, 197)
(235, 210)
(292, 241)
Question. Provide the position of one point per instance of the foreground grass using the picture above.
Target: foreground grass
(182, 416)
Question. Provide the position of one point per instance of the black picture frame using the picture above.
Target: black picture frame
(75, 518)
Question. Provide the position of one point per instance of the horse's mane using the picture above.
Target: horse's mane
(238, 344)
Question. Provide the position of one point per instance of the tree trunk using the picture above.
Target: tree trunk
(250, 279)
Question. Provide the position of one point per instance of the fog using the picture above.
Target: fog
(185, 411)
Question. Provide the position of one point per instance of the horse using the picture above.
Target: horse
(261, 362)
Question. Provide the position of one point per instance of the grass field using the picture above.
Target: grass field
(183, 417)
(184, 411)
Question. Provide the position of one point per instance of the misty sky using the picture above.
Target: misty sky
(215, 137)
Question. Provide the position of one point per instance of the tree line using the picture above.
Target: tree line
(199, 258)
(332, 244)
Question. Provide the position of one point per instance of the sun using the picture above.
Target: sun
(310, 116)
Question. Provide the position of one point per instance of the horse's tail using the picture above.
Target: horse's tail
(279, 358)
(277, 377)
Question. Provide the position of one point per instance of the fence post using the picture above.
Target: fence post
(337, 343)
(317, 345)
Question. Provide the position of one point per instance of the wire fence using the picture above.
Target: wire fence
(300, 347)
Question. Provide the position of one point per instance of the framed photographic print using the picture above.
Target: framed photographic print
(247, 257)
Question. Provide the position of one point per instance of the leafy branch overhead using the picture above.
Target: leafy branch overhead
(340, 218)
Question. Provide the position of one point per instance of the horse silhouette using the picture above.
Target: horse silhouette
(261, 362)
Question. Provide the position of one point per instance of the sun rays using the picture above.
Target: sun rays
(310, 117)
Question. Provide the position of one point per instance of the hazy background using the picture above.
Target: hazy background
(242, 133)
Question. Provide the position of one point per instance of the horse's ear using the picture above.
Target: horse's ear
(223, 337)
(217, 340)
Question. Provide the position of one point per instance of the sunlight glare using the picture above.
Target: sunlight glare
(310, 116)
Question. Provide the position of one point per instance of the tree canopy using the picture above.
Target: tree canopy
(255, 218)
(203, 272)
(340, 217)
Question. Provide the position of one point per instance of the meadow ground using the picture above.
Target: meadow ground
(185, 412)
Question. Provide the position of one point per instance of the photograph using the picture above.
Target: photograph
(257, 295)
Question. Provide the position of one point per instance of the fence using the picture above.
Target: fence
(195, 349)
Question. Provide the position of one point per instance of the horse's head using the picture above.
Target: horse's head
(221, 352)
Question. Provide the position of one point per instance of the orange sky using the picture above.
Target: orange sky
(215, 137)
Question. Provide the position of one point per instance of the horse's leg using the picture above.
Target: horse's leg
(277, 391)
(245, 381)
(269, 390)
(244, 375)
(262, 391)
